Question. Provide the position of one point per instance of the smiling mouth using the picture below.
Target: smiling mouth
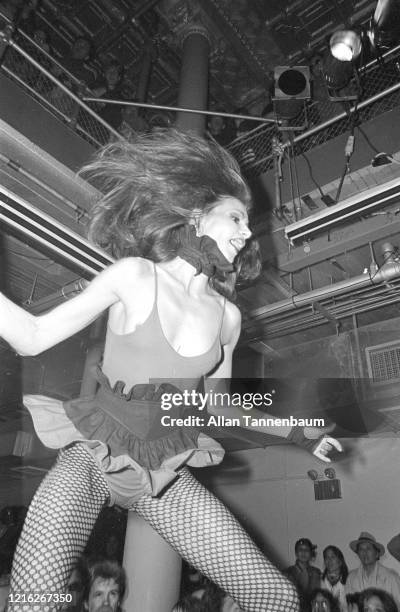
(237, 243)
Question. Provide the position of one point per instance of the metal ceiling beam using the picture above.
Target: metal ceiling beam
(340, 240)
(129, 22)
(237, 39)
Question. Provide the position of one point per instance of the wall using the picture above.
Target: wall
(270, 493)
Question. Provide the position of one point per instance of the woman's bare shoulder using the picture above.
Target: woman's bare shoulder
(131, 269)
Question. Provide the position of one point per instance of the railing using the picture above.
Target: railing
(60, 92)
(326, 119)
(51, 85)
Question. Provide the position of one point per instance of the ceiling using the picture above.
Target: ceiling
(249, 38)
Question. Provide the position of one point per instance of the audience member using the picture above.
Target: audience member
(335, 575)
(371, 573)
(222, 129)
(110, 86)
(304, 576)
(322, 600)
(105, 587)
(376, 600)
(244, 125)
(76, 62)
(132, 123)
(353, 601)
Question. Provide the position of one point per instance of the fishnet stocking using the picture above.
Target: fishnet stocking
(204, 532)
(56, 529)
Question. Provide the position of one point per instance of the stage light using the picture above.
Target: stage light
(291, 89)
(337, 73)
(292, 83)
(345, 45)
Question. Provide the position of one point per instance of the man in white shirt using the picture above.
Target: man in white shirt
(371, 573)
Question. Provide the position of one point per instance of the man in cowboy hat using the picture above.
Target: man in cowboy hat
(371, 573)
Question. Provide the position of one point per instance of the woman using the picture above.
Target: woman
(376, 600)
(323, 601)
(335, 575)
(305, 577)
(174, 212)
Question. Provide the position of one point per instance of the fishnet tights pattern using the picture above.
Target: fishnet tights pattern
(203, 531)
(57, 527)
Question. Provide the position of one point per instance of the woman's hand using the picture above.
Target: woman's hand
(325, 446)
(326, 443)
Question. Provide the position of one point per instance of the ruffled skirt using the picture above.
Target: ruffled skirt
(125, 434)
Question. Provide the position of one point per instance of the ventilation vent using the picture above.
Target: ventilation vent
(383, 362)
(327, 489)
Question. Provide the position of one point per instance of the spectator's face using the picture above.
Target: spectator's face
(367, 553)
(332, 561)
(112, 75)
(373, 604)
(103, 596)
(216, 124)
(303, 553)
(320, 604)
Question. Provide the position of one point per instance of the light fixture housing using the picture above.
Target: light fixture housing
(345, 45)
(360, 203)
(337, 73)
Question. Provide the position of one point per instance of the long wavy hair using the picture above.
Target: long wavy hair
(150, 190)
(344, 570)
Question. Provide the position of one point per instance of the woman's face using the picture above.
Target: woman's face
(373, 604)
(227, 223)
(320, 604)
(332, 561)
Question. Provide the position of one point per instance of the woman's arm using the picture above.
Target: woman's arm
(307, 437)
(29, 334)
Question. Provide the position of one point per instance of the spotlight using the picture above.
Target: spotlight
(337, 73)
(292, 83)
(292, 88)
(345, 45)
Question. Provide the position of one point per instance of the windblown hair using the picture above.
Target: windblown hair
(152, 187)
(105, 570)
(389, 604)
(344, 570)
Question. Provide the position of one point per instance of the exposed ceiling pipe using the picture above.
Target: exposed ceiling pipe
(306, 323)
(389, 271)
